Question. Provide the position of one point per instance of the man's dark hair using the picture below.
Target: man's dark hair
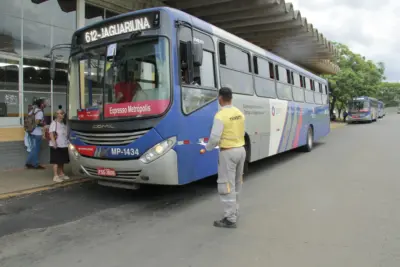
(39, 102)
(225, 93)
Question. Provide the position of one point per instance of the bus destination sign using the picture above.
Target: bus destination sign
(126, 25)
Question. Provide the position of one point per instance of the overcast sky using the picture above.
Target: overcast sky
(368, 27)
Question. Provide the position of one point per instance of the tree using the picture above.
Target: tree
(389, 93)
(357, 77)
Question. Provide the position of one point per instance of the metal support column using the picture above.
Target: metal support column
(80, 13)
(80, 22)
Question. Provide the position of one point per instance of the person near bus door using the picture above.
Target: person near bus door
(228, 133)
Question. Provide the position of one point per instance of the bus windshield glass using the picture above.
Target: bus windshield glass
(357, 106)
(126, 79)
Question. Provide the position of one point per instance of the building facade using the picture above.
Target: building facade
(28, 30)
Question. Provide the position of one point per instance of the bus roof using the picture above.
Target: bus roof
(364, 98)
(213, 30)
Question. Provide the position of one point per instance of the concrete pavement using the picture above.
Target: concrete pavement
(335, 206)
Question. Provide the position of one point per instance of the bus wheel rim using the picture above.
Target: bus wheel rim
(310, 139)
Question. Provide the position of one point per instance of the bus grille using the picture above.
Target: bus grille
(109, 139)
(133, 175)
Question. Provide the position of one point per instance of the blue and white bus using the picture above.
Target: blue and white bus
(381, 110)
(142, 95)
(363, 109)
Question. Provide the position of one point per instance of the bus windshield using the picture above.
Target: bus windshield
(126, 79)
(357, 106)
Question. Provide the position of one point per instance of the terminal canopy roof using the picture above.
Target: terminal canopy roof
(271, 24)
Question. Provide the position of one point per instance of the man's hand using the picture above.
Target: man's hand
(205, 144)
(202, 143)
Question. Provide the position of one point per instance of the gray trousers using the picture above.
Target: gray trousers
(230, 179)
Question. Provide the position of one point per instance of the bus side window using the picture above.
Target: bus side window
(255, 63)
(199, 82)
(288, 76)
(277, 72)
(271, 70)
(206, 72)
(184, 62)
(292, 77)
(185, 38)
(312, 85)
(222, 54)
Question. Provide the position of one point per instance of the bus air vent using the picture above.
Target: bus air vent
(109, 139)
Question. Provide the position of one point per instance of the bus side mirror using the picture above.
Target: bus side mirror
(197, 55)
(52, 67)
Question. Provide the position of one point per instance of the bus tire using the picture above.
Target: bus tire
(247, 148)
(309, 140)
(246, 167)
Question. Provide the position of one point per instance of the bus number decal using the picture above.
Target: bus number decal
(91, 36)
(124, 151)
(132, 25)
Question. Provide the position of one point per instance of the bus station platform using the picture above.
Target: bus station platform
(22, 181)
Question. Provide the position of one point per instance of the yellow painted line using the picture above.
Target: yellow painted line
(42, 188)
(337, 125)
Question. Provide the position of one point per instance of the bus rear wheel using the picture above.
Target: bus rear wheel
(246, 162)
(309, 141)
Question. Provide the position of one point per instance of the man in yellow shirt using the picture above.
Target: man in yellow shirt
(228, 133)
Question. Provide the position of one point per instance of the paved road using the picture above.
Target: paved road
(336, 206)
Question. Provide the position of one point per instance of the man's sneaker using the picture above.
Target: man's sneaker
(57, 179)
(64, 177)
(225, 223)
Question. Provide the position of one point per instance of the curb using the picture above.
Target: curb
(42, 188)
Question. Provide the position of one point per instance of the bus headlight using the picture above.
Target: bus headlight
(72, 148)
(158, 150)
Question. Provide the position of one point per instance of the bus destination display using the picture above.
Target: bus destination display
(127, 25)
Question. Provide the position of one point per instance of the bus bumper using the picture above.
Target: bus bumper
(162, 171)
(351, 119)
